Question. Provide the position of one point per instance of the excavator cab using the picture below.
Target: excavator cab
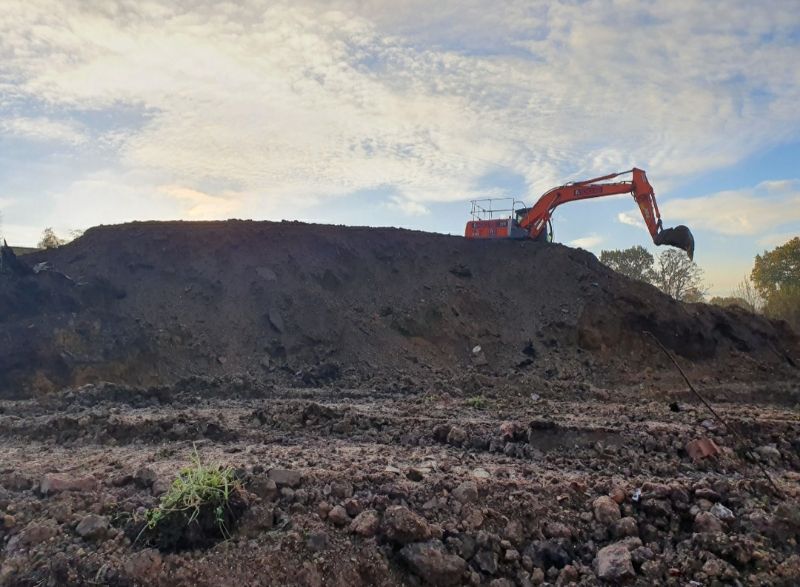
(496, 218)
(680, 237)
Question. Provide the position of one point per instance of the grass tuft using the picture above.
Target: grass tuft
(199, 491)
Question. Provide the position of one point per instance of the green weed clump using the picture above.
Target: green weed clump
(200, 507)
(477, 401)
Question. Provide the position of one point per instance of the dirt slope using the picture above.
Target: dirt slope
(155, 302)
(333, 370)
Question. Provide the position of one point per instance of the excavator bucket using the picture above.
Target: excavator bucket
(680, 237)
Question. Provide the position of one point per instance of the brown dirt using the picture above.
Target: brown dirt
(345, 356)
(150, 303)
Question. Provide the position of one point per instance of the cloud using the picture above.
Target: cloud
(749, 211)
(407, 207)
(43, 129)
(311, 99)
(631, 218)
(586, 242)
(770, 241)
(201, 206)
(20, 235)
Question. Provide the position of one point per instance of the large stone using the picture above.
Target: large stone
(467, 492)
(702, 448)
(263, 487)
(723, 513)
(457, 436)
(557, 530)
(440, 432)
(338, 516)
(625, 527)
(402, 526)
(342, 489)
(285, 477)
(706, 522)
(613, 563)
(514, 532)
(52, 483)
(92, 527)
(606, 510)
(486, 561)
(366, 523)
(431, 562)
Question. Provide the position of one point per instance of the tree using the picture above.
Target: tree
(50, 240)
(729, 301)
(678, 276)
(694, 295)
(777, 269)
(635, 262)
(776, 277)
(746, 292)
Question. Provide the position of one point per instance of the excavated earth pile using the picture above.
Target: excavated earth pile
(149, 303)
(400, 408)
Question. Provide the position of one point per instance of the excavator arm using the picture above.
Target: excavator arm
(535, 219)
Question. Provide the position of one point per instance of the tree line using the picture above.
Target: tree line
(772, 288)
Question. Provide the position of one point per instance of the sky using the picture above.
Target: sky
(399, 113)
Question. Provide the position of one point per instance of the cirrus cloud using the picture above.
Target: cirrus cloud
(748, 211)
(311, 100)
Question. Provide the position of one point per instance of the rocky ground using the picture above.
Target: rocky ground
(400, 408)
(516, 486)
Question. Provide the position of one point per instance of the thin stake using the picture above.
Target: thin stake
(744, 444)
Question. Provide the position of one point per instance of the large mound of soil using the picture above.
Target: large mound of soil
(147, 303)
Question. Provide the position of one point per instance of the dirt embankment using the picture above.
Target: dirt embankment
(335, 370)
(148, 303)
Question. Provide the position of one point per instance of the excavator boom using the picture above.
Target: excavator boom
(532, 222)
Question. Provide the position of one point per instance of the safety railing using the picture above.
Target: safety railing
(492, 208)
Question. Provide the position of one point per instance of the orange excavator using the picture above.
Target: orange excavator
(534, 222)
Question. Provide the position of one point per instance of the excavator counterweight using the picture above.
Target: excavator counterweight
(534, 222)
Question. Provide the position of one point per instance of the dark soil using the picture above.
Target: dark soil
(185, 530)
(153, 303)
(335, 370)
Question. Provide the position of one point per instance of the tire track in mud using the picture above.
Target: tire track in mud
(615, 439)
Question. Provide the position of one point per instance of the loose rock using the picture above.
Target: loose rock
(285, 477)
(606, 510)
(467, 492)
(457, 436)
(432, 563)
(402, 526)
(92, 526)
(52, 483)
(613, 563)
(338, 516)
(366, 523)
(708, 523)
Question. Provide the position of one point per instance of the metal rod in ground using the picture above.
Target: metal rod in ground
(728, 427)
